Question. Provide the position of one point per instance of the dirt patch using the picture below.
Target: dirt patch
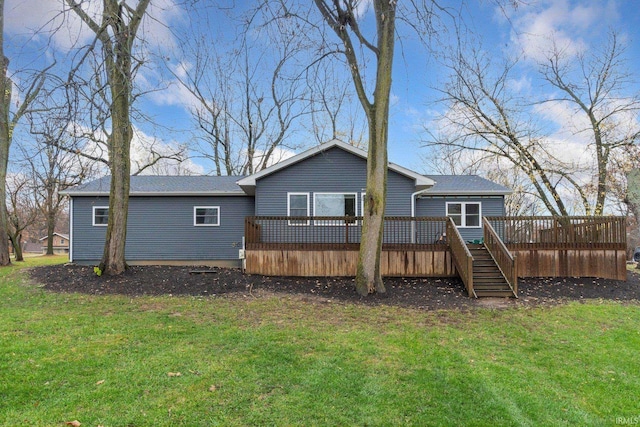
(423, 293)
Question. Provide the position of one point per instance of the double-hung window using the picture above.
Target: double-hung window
(100, 216)
(298, 205)
(206, 216)
(334, 204)
(464, 214)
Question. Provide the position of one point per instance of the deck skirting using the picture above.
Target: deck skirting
(602, 263)
(309, 263)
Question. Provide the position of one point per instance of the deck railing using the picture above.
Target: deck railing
(574, 232)
(342, 233)
(501, 255)
(461, 256)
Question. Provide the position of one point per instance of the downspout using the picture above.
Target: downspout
(70, 228)
(413, 213)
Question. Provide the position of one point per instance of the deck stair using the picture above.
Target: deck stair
(488, 280)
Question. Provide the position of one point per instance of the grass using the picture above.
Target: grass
(113, 361)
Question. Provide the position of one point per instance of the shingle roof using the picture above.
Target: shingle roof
(464, 185)
(164, 185)
(445, 185)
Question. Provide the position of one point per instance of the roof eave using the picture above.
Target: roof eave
(467, 193)
(156, 193)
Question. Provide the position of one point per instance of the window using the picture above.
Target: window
(464, 214)
(62, 241)
(298, 205)
(206, 216)
(100, 215)
(334, 204)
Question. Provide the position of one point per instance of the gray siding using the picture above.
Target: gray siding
(436, 206)
(332, 171)
(161, 228)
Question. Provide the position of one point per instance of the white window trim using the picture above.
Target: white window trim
(463, 219)
(93, 217)
(328, 222)
(195, 210)
(289, 208)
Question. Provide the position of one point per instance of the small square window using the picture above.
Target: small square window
(206, 216)
(464, 214)
(100, 215)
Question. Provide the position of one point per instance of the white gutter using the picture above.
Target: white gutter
(413, 213)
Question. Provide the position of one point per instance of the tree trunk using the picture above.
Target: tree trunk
(369, 275)
(117, 42)
(113, 259)
(4, 225)
(51, 224)
(16, 242)
(5, 142)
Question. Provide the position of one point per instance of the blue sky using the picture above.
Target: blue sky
(526, 31)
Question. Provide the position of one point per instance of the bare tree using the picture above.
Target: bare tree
(342, 18)
(333, 113)
(448, 160)
(593, 84)
(116, 32)
(22, 210)
(52, 168)
(8, 121)
(485, 115)
(247, 96)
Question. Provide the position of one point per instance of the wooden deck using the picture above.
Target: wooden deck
(418, 247)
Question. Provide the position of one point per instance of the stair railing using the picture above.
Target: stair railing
(462, 258)
(505, 261)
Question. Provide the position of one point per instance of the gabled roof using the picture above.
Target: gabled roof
(64, 236)
(467, 185)
(248, 183)
(148, 185)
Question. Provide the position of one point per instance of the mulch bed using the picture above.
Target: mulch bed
(423, 293)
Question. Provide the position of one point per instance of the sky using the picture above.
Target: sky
(526, 32)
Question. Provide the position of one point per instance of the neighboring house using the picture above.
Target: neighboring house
(201, 219)
(60, 243)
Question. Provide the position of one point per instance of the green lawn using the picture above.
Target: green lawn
(113, 361)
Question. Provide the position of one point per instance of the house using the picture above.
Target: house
(201, 219)
(302, 217)
(60, 243)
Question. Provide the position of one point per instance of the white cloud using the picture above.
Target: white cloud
(278, 155)
(565, 23)
(144, 149)
(54, 19)
(175, 93)
(521, 85)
